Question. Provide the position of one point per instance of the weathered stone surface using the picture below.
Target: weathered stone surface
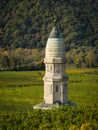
(55, 80)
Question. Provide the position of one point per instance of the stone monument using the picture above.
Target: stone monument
(55, 79)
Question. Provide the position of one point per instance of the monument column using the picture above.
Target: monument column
(55, 80)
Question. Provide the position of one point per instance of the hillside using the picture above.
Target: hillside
(26, 24)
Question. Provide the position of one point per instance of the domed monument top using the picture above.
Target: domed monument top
(55, 47)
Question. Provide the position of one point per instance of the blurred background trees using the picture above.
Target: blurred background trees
(33, 59)
(25, 26)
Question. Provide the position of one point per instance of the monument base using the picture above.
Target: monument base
(57, 104)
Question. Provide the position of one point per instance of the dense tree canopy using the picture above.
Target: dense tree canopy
(26, 24)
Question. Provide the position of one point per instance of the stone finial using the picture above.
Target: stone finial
(55, 22)
(55, 31)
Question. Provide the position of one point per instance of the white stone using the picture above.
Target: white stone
(55, 80)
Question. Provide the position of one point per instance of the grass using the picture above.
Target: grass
(21, 90)
(83, 87)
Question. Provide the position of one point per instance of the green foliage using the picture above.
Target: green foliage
(86, 126)
(79, 60)
(82, 57)
(19, 91)
(91, 59)
(22, 59)
(28, 23)
(25, 26)
(33, 59)
(61, 118)
(5, 61)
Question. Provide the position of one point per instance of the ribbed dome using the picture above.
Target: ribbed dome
(55, 47)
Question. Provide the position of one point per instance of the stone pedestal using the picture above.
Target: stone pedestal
(55, 82)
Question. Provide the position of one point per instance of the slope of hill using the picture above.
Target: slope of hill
(26, 24)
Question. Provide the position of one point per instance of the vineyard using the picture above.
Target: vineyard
(19, 91)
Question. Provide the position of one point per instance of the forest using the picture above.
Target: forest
(25, 27)
(33, 59)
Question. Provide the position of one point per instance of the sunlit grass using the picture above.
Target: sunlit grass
(82, 71)
(16, 98)
(21, 90)
(83, 93)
